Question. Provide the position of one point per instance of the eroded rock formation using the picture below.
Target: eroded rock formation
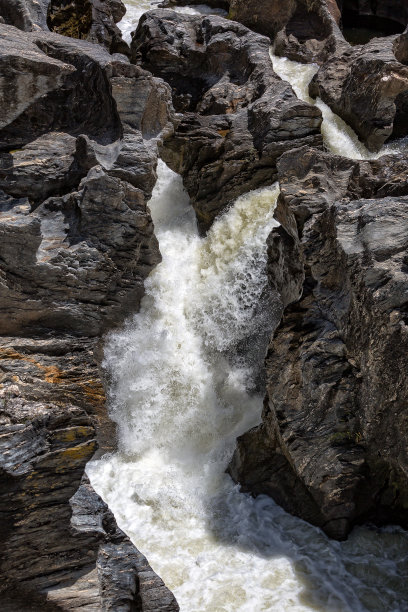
(237, 115)
(92, 20)
(79, 137)
(368, 87)
(331, 447)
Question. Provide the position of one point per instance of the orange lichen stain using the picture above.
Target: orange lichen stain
(94, 391)
(52, 373)
(81, 453)
(223, 133)
(73, 433)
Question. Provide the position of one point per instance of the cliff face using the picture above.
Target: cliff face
(79, 141)
(331, 446)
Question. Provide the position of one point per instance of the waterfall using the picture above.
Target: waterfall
(181, 392)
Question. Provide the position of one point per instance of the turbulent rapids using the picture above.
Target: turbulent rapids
(182, 390)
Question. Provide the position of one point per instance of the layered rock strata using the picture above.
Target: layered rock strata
(79, 137)
(236, 116)
(331, 446)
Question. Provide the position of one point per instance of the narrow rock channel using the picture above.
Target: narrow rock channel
(182, 390)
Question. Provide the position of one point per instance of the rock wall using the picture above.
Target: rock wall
(79, 136)
(331, 447)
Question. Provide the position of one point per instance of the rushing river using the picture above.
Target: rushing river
(180, 396)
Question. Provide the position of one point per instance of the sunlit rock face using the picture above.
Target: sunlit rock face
(237, 115)
(79, 133)
(75, 184)
(329, 447)
(368, 87)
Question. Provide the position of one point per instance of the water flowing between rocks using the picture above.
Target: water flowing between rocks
(182, 389)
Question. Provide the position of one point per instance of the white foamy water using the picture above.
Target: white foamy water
(181, 392)
(136, 8)
(180, 398)
(339, 137)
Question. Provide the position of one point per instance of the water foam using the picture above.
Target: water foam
(181, 392)
(180, 398)
(339, 137)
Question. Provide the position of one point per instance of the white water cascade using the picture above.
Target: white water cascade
(180, 398)
(339, 137)
(182, 392)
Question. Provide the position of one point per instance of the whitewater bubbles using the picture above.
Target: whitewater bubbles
(180, 399)
(201, 302)
(339, 137)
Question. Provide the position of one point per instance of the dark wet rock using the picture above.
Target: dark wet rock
(216, 4)
(385, 16)
(368, 87)
(60, 543)
(91, 20)
(331, 447)
(236, 115)
(79, 130)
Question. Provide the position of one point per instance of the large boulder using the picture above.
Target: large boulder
(367, 86)
(302, 30)
(331, 447)
(237, 116)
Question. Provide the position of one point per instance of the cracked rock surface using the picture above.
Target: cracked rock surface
(79, 135)
(331, 446)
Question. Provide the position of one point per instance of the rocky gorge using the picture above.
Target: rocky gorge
(85, 119)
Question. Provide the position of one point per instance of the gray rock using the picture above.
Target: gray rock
(50, 165)
(331, 445)
(237, 115)
(27, 15)
(91, 20)
(53, 84)
(367, 87)
(79, 134)
(77, 262)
